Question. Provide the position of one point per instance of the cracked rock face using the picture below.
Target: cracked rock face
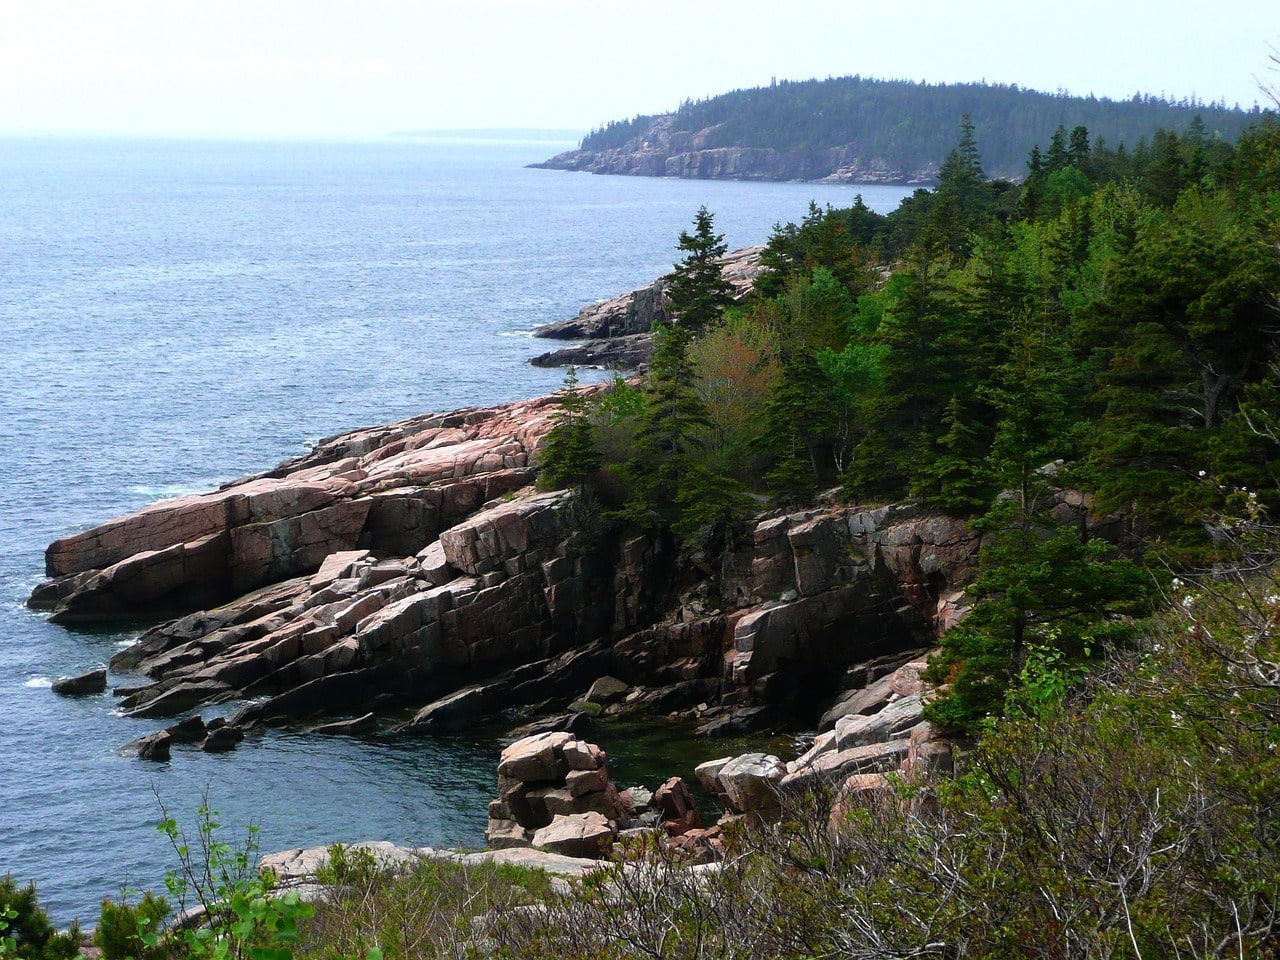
(415, 565)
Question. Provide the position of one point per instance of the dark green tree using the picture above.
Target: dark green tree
(568, 455)
(697, 291)
(1187, 321)
(25, 922)
(668, 431)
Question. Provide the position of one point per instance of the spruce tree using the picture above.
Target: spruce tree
(697, 292)
(568, 455)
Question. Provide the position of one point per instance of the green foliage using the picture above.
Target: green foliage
(568, 456)
(8, 944)
(346, 866)
(1038, 586)
(27, 932)
(697, 292)
(426, 907)
(243, 919)
(127, 930)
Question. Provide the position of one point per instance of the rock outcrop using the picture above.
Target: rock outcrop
(616, 332)
(413, 566)
(659, 151)
(389, 489)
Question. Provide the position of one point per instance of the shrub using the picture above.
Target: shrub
(131, 930)
(28, 934)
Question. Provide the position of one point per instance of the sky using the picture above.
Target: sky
(331, 69)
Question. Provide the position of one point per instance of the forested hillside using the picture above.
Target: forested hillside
(1108, 326)
(902, 126)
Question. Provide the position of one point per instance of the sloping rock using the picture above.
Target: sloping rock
(457, 709)
(619, 352)
(387, 489)
(894, 720)
(835, 765)
(365, 723)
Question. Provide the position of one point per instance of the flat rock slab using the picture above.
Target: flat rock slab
(300, 864)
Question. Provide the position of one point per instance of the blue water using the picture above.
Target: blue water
(177, 314)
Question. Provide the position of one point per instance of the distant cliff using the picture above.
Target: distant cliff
(860, 130)
(661, 151)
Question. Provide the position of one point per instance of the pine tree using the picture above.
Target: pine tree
(697, 292)
(568, 455)
(667, 437)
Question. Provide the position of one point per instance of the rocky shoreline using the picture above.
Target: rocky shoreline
(409, 578)
(616, 332)
(660, 151)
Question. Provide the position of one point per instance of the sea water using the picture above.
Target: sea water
(177, 314)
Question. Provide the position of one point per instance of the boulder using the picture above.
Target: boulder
(153, 747)
(588, 835)
(606, 690)
(222, 739)
(676, 806)
(536, 759)
(86, 684)
(190, 730)
(504, 834)
(906, 680)
(751, 782)
(708, 775)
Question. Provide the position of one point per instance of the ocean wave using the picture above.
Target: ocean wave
(167, 491)
(43, 682)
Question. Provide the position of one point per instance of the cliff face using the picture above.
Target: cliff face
(413, 562)
(659, 151)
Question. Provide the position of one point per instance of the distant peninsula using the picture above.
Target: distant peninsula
(863, 130)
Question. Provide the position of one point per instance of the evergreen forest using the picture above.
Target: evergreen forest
(910, 125)
(1109, 326)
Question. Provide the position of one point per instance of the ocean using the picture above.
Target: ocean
(175, 314)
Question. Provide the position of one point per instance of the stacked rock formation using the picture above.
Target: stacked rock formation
(554, 793)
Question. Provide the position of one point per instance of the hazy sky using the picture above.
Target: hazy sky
(297, 68)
